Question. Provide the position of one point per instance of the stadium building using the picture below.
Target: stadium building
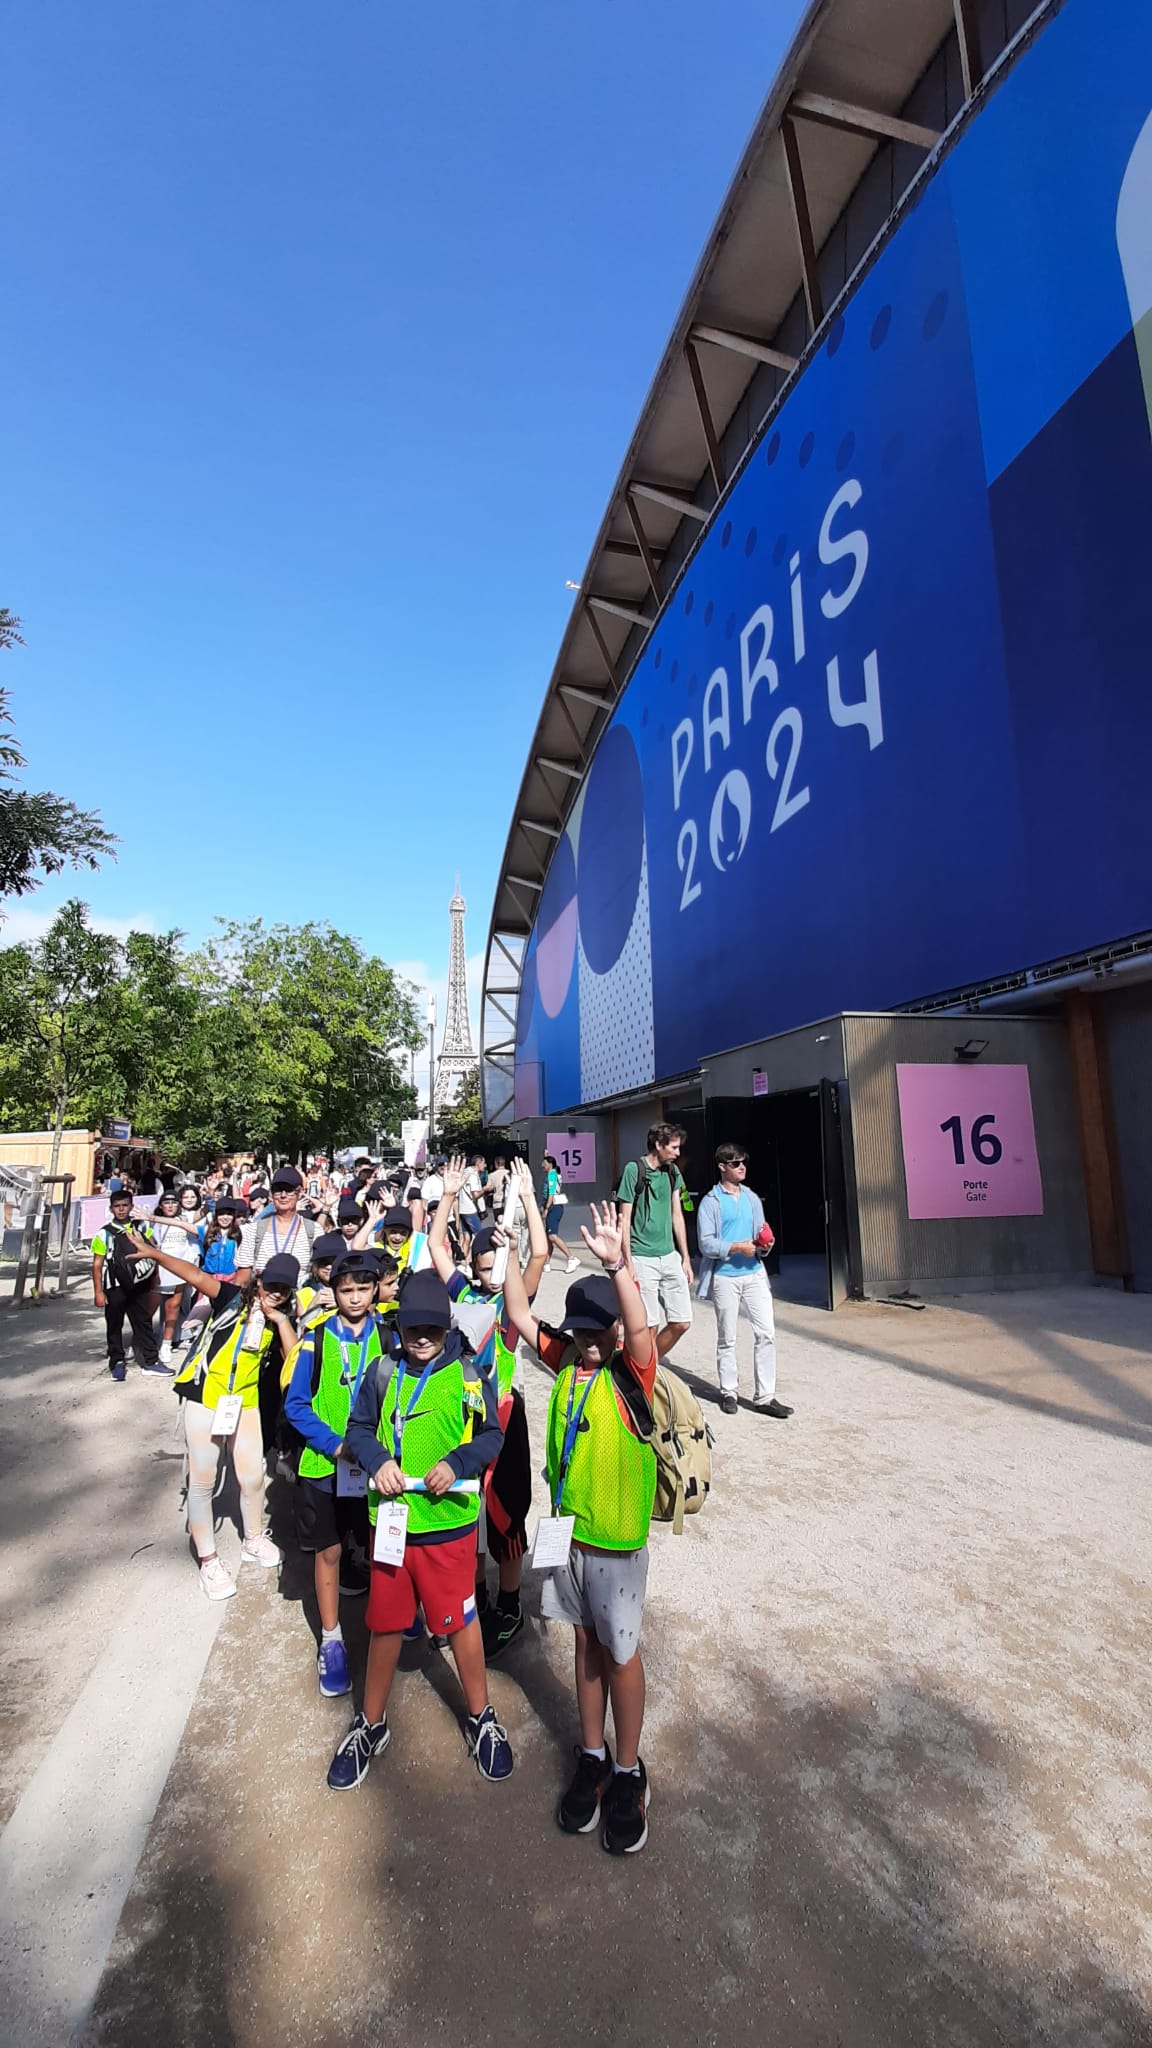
(835, 834)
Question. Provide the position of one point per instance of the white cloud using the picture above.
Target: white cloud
(19, 927)
(427, 983)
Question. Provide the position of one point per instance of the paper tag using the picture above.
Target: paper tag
(391, 1532)
(553, 1542)
(351, 1480)
(226, 1414)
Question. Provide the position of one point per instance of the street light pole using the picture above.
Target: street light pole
(431, 1068)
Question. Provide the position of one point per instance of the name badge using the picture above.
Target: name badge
(391, 1532)
(351, 1480)
(226, 1415)
(553, 1542)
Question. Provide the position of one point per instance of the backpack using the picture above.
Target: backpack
(645, 1175)
(121, 1273)
(307, 1225)
(682, 1442)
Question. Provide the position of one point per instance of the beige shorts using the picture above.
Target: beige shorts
(663, 1289)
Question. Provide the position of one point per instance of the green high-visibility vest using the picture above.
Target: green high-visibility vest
(444, 1419)
(333, 1374)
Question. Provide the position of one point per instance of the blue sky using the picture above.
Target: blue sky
(326, 325)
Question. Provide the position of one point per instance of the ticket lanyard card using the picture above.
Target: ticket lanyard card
(351, 1480)
(391, 1532)
(553, 1542)
(226, 1415)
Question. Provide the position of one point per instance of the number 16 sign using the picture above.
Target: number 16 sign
(969, 1141)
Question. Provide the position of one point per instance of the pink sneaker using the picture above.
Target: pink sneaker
(260, 1550)
(216, 1581)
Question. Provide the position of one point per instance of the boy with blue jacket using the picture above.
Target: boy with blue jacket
(730, 1227)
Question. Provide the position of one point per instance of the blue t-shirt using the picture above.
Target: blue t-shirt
(736, 1227)
(220, 1256)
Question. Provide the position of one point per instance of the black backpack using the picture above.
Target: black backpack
(122, 1273)
(645, 1175)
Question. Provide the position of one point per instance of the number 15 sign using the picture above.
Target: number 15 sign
(969, 1141)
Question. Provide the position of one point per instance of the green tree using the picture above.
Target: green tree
(40, 834)
(461, 1124)
(56, 997)
(303, 1037)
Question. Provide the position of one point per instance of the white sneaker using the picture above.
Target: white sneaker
(573, 1266)
(165, 1354)
(216, 1581)
(261, 1550)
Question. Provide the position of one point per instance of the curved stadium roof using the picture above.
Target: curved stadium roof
(863, 97)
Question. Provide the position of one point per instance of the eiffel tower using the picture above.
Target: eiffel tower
(456, 1055)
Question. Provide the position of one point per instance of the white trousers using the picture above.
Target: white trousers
(750, 1292)
(246, 1448)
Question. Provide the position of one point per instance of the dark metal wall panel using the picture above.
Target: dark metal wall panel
(1128, 1015)
(797, 1059)
(897, 1252)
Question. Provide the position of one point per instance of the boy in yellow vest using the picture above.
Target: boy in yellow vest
(330, 1497)
(602, 1479)
(424, 1427)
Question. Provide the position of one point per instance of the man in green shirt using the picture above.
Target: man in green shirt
(654, 1237)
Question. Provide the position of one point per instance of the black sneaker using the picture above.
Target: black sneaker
(579, 1810)
(626, 1812)
(119, 1371)
(353, 1578)
(728, 1404)
(776, 1409)
(500, 1626)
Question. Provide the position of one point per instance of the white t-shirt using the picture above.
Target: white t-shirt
(432, 1190)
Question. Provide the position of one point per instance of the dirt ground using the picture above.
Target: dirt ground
(897, 1731)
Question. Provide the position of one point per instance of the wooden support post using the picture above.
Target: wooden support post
(1103, 1183)
(798, 191)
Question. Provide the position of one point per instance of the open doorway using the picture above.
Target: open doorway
(796, 1165)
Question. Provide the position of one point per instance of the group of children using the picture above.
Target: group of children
(388, 1380)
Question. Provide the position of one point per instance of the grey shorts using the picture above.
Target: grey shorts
(603, 1591)
(663, 1285)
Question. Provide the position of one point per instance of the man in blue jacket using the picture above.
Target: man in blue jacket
(731, 1220)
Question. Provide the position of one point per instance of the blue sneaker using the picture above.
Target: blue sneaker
(489, 1744)
(349, 1766)
(413, 1634)
(332, 1670)
(156, 1371)
(119, 1371)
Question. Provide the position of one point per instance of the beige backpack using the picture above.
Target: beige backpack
(682, 1442)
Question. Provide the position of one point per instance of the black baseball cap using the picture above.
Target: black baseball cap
(287, 1177)
(398, 1219)
(348, 1210)
(354, 1265)
(424, 1301)
(483, 1242)
(591, 1304)
(329, 1245)
(282, 1270)
(231, 1205)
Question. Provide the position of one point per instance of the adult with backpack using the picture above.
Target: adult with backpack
(122, 1285)
(284, 1233)
(732, 1234)
(650, 1196)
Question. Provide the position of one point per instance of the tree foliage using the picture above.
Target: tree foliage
(40, 834)
(283, 1037)
(460, 1127)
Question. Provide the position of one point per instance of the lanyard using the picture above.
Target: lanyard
(365, 1340)
(571, 1431)
(276, 1245)
(399, 1420)
(239, 1348)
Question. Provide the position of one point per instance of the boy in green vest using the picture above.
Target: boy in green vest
(330, 1498)
(423, 1426)
(602, 1479)
(508, 1487)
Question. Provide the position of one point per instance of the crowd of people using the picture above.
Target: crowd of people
(359, 1335)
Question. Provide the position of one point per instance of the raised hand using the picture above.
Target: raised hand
(455, 1174)
(604, 1240)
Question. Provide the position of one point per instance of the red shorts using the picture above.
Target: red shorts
(439, 1577)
